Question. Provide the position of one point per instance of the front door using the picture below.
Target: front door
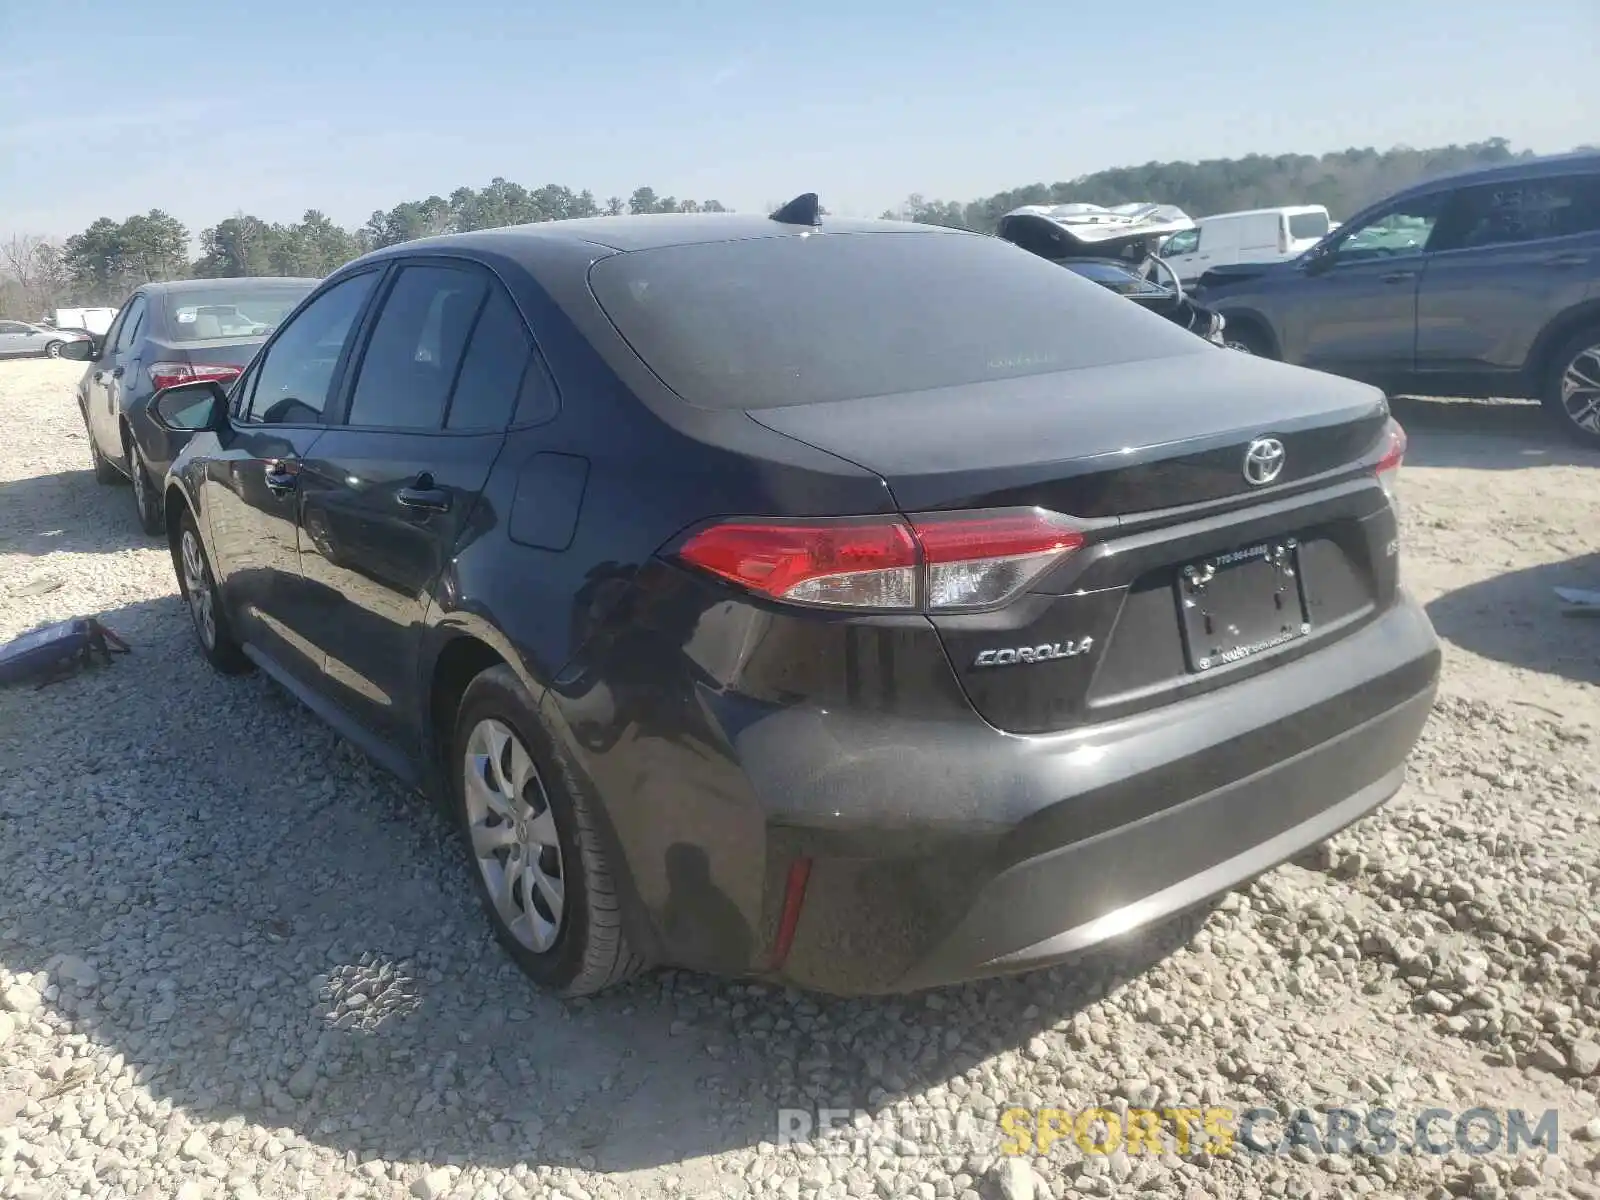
(252, 486)
(1355, 314)
(15, 339)
(103, 392)
(390, 493)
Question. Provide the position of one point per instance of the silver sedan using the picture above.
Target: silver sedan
(19, 338)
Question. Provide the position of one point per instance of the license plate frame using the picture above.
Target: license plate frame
(1240, 604)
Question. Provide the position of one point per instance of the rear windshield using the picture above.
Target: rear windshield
(248, 312)
(775, 321)
(1308, 225)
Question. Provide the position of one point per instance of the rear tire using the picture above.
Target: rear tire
(146, 498)
(1572, 391)
(198, 586)
(533, 846)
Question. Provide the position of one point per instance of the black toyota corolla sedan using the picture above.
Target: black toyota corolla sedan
(855, 604)
(167, 333)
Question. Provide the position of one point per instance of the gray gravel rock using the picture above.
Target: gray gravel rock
(237, 960)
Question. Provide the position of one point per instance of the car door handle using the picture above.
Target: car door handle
(423, 495)
(282, 477)
(1397, 276)
(1566, 260)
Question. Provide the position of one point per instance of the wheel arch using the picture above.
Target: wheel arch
(1541, 359)
(1255, 321)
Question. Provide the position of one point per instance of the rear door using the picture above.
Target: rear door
(390, 492)
(1510, 257)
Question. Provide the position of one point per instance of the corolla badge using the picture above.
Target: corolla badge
(1010, 656)
(1263, 461)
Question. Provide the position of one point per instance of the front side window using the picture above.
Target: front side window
(1402, 229)
(1308, 225)
(296, 371)
(13, 327)
(415, 351)
(1182, 243)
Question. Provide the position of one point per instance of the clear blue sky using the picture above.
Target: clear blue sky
(205, 109)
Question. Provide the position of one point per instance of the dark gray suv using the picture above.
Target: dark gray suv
(1481, 284)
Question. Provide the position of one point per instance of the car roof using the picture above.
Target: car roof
(650, 232)
(1273, 210)
(1522, 168)
(231, 284)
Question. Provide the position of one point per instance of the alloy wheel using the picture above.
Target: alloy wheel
(1580, 390)
(53, 350)
(141, 481)
(513, 832)
(197, 583)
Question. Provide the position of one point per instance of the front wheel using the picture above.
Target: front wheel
(538, 863)
(198, 586)
(52, 350)
(1572, 393)
(1246, 339)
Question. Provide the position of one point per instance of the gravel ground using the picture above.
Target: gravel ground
(235, 960)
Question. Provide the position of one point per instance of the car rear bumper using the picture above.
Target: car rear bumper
(969, 853)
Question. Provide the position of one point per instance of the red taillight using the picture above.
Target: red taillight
(935, 561)
(166, 374)
(1394, 454)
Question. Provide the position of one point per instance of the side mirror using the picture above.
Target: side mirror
(80, 350)
(191, 407)
(1317, 262)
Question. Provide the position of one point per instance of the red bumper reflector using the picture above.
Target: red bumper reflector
(794, 895)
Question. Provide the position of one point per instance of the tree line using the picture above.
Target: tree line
(101, 264)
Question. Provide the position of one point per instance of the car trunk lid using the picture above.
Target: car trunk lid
(1099, 442)
(1192, 575)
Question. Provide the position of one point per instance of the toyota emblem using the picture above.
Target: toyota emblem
(1263, 461)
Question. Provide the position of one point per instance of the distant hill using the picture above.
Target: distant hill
(1344, 181)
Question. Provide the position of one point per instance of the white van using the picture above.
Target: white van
(1259, 235)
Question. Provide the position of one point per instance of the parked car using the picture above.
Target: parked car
(1118, 254)
(1255, 236)
(168, 333)
(856, 604)
(19, 339)
(1481, 284)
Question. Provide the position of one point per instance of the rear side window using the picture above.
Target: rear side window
(1308, 225)
(132, 322)
(416, 348)
(767, 322)
(1525, 210)
(492, 371)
